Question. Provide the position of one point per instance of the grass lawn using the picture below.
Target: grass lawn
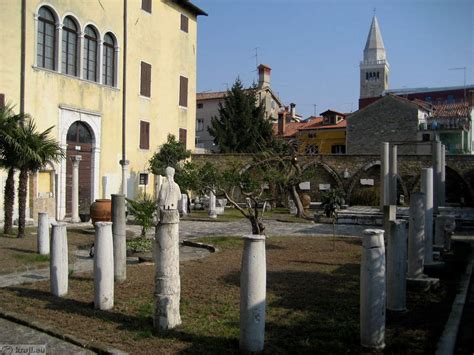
(312, 304)
(19, 254)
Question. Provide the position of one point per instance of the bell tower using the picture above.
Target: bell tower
(374, 68)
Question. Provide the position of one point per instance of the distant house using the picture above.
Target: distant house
(316, 135)
(397, 119)
(207, 106)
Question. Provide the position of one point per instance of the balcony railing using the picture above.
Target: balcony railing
(445, 124)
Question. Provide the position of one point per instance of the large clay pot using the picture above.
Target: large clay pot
(101, 211)
(305, 200)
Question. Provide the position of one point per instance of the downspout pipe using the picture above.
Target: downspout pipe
(124, 162)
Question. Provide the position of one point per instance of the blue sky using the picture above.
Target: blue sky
(314, 46)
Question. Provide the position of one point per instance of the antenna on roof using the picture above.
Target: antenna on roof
(314, 105)
(256, 56)
(464, 69)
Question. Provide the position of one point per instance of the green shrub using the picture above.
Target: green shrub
(366, 196)
(144, 210)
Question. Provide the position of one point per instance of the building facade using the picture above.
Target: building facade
(207, 104)
(114, 78)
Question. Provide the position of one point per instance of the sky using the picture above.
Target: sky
(314, 46)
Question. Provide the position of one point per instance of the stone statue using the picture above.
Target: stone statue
(170, 192)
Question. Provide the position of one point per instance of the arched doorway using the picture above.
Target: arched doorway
(79, 141)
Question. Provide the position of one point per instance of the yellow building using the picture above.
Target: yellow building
(114, 78)
(323, 135)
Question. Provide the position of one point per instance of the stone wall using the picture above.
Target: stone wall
(388, 120)
(346, 171)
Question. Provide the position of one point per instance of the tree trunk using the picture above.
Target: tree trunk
(9, 200)
(22, 189)
(296, 199)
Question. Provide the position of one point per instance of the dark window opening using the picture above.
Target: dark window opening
(183, 133)
(145, 80)
(338, 149)
(184, 23)
(46, 51)
(90, 54)
(108, 66)
(144, 135)
(79, 133)
(183, 91)
(426, 137)
(146, 5)
(143, 179)
(69, 47)
(200, 105)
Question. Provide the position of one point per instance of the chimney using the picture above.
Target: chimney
(293, 111)
(281, 122)
(264, 76)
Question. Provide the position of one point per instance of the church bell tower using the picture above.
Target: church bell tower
(374, 68)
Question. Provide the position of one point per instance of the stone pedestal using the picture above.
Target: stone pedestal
(253, 279)
(444, 227)
(119, 237)
(75, 189)
(58, 263)
(389, 215)
(167, 279)
(124, 164)
(372, 290)
(43, 233)
(103, 266)
(397, 266)
(393, 175)
(427, 189)
(416, 235)
(385, 175)
(212, 205)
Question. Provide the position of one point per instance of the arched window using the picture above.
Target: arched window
(108, 66)
(46, 42)
(90, 54)
(69, 47)
(79, 133)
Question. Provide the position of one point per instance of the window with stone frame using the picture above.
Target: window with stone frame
(46, 41)
(311, 149)
(144, 135)
(199, 125)
(70, 52)
(90, 57)
(338, 149)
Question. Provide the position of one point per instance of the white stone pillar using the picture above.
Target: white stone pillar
(43, 233)
(167, 280)
(442, 183)
(212, 205)
(253, 281)
(75, 188)
(119, 237)
(58, 262)
(100, 60)
(103, 266)
(59, 48)
(183, 205)
(158, 181)
(416, 234)
(427, 189)
(436, 175)
(105, 187)
(385, 175)
(124, 164)
(397, 266)
(372, 290)
(393, 175)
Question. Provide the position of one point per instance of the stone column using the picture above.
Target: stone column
(427, 189)
(58, 263)
(444, 225)
(75, 188)
(158, 180)
(397, 266)
(43, 233)
(416, 234)
(119, 237)
(436, 175)
(393, 175)
(212, 205)
(253, 279)
(167, 280)
(183, 205)
(124, 164)
(105, 187)
(103, 266)
(372, 290)
(385, 175)
(442, 183)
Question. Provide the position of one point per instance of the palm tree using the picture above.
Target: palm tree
(8, 125)
(34, 150)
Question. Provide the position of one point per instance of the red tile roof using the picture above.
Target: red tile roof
(211, 95)
(317, 123)
(457, 109)
(291, 128)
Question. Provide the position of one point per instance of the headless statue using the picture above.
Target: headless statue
(170, 192)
